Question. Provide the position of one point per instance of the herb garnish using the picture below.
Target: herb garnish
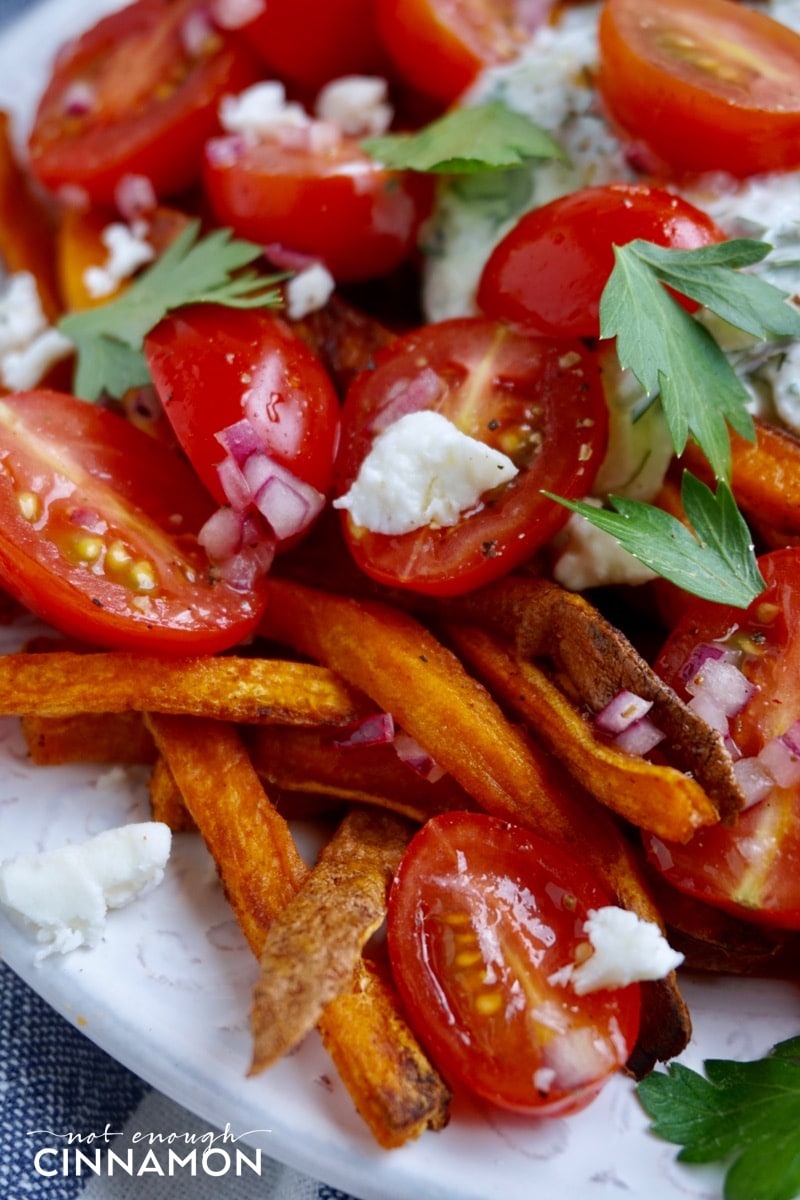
(108, 339)
(485, 137)
(745, 1113)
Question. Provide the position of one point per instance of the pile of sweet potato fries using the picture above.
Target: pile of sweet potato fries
(497, 688)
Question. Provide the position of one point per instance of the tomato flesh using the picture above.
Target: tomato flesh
(99, 532)
(337, 205)
(548, 273)
(136, 95)
(212, 366)
(537, 400)
(438, 47)
(753, 867)
(481, 914)
(709, 87)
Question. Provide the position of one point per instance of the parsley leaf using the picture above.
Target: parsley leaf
(483, 137)
(671, 354)
(748, 1112)
(716, 561)
(192, 270)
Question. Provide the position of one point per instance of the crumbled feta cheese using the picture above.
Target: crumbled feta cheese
(309, 290)
(625, 949)
(422, 470)
(261, 109)
(357, 104)
(61, 896)
(590, 557)
(29, 347)
(128, 249)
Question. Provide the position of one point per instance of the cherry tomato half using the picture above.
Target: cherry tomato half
(753, 867)
(481, 914)
(539, 401)
(99, 532)
(308, 43)
(548, 273)
(438, 47)
(137, 94)
(212, 366)
(711, 86)
(337, 205)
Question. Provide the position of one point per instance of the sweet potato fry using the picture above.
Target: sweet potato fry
(227, 688)
(306, 760)
(594, 662)
(259, 865)
(396, 1090)
(311, 950)
(407, 672)
(166, 799)
(90, 738)
(651, 796)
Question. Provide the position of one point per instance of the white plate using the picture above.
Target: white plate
(168, 990)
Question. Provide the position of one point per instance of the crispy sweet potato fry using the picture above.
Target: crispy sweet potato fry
(311, 950)
(90, 738)
(228, 688)
(166, 799)
(651, 796)
(372, 1048)
(306, 760)
(407, 672)
(259, 865)
(344, 337)
(595, 661)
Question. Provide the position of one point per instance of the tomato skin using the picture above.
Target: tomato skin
(471, 972)
(213, 365)
(153, 104)
(706, 87)
(438, 47)
(86, 501)
(539, 401)
(753, 867)
(338, 206)
(548, 273)
(309, 43)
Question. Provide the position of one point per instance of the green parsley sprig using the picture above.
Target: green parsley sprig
(482, 137)
(746, 1114)
(193, 269)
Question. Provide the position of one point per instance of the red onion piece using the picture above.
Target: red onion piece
(286, 502)
(412, 754)
(79, 98)
(639, 738)
(225, 151)
(234, 484)
(753, 779)
(287, 259)
(195, 32)
(374, 730)
(221, 536)
(621, 712)
(240, 440)
(134, 196)
(233, 14)
(701, 654)
(728, 687)
(780, 757)
(423, 392)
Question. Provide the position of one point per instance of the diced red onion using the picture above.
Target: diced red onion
(660, 852)
(711, 709)
(639, 738)
(240, 440)
(287, 503)
(287, 259)
(245, 568)
(702, 654)
(374, 730)
(780, 757)
(622, 711)
(135, 195)
(412, 754)
(753, 779)
(78, 99)
(221, 536)
(233, 484)
(424, 391)
(239, 549)
(729, 687)
(233, 14)
(225, 151)
(195, 32)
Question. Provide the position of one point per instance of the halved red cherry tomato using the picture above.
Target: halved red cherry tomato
(137, 94)
(481, 914)
(753, 867)
(336, 205)
(537, 400)
(548, 273)
(711, 86)
(99, 532)
(439, 46)
(213, 366)
(308, 43)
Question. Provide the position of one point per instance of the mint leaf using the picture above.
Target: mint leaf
(747, 1112)
(716, 561)
(672, 355)
(483, 137)
(191, 270)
